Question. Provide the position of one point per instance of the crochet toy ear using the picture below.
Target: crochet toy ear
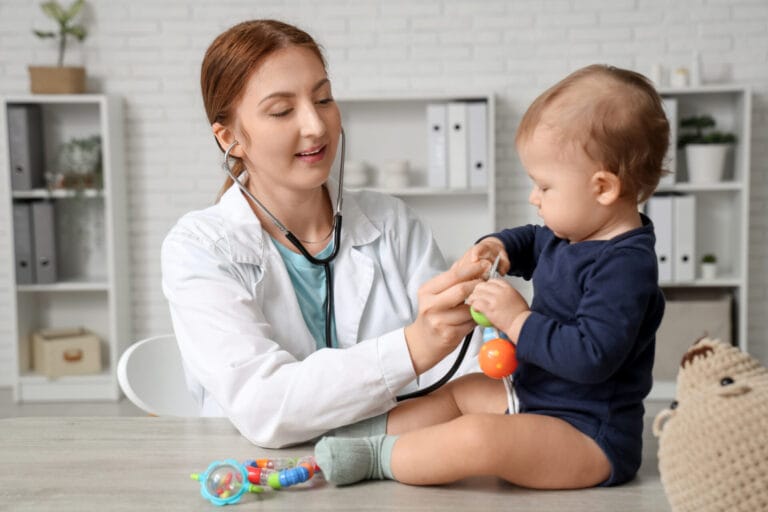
(661, 420)
(701, 348)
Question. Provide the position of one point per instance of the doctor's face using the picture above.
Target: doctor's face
(288, 122)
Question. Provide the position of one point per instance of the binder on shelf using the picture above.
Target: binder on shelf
(22, 240)
(44, 238)
(437, 145)
(684, 243)
(477, 122)
(670, 160)
(25, 146)
(659, 209)
(458, 145)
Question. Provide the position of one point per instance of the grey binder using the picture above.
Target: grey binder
(44, 241)
(25, 144)
(23, 249)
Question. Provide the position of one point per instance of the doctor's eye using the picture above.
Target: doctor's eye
(325, 101)
(726, 381)
(282, 113)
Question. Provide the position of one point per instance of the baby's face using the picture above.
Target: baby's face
(563, 189)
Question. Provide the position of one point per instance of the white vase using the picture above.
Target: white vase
(708, 271)
(706, 162)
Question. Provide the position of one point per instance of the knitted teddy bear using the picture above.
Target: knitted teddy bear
(713, 440)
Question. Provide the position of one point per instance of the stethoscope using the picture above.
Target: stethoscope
(326, 263)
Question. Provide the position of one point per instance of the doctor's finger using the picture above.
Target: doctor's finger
(456, 274)
(454, 296)
(452, 326)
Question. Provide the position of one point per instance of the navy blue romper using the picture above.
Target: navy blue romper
(585, 354)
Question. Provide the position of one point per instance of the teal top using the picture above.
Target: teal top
(308, 282)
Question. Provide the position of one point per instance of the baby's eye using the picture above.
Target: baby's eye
(673, 405)
(726, 381)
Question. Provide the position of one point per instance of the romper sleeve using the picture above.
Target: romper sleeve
(617, 296)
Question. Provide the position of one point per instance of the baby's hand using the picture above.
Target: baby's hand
(486, 250)
(500, 303)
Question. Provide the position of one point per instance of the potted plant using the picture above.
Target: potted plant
(708, 266)
(79, 163)
(60, 79)
(705, 148)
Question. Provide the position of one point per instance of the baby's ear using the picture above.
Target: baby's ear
(606, 186)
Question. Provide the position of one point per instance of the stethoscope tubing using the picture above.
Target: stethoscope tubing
(326, 262)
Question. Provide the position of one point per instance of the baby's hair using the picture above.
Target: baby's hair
(615, 116)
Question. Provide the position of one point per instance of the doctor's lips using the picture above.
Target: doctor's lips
(312, 155)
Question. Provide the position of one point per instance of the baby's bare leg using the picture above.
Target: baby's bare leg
(473, 393)
(529, 450)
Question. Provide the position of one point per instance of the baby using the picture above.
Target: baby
(593, 146)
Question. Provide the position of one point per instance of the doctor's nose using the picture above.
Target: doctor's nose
(312, 123)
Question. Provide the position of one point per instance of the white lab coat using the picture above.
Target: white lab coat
(247, 352)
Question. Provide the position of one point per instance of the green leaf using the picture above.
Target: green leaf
(53, 10)
(704, 121)
(75, 8)
(44, 35)
(78, 31)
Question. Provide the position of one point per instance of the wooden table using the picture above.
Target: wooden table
(129, 463)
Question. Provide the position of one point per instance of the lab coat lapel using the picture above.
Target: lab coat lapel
(249, 244)
(354, 270)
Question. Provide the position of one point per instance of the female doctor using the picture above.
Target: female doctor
(250, 310)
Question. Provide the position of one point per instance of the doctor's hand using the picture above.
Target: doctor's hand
(443, 318)
(486, 251)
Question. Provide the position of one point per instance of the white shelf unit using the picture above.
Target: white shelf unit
(92, 287)
(721, 213)
(386, 128)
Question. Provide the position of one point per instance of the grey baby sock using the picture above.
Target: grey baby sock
(371, 427)
(348, 460)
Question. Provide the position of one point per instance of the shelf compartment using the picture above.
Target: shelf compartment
(723, 186)
(455, 223)
(44, 193)
(65, 286)
(58, 309)
(38, 388)
(373, 123)
(427, 191)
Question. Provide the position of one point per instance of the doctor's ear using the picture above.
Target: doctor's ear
(225, 137)
(606, 186)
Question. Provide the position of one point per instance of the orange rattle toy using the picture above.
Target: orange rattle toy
(497, 355)
(497, 358)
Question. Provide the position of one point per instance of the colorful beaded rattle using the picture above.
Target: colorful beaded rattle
(497, 355)
(225, 481)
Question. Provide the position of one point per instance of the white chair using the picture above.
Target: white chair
(151, 375)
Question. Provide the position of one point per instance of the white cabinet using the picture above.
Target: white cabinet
(389, 133)
(85, 219)
(720, 226)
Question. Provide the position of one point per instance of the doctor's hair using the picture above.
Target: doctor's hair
(615, 116)
(231, 59)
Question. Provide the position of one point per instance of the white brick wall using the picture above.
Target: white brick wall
(149, 52)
